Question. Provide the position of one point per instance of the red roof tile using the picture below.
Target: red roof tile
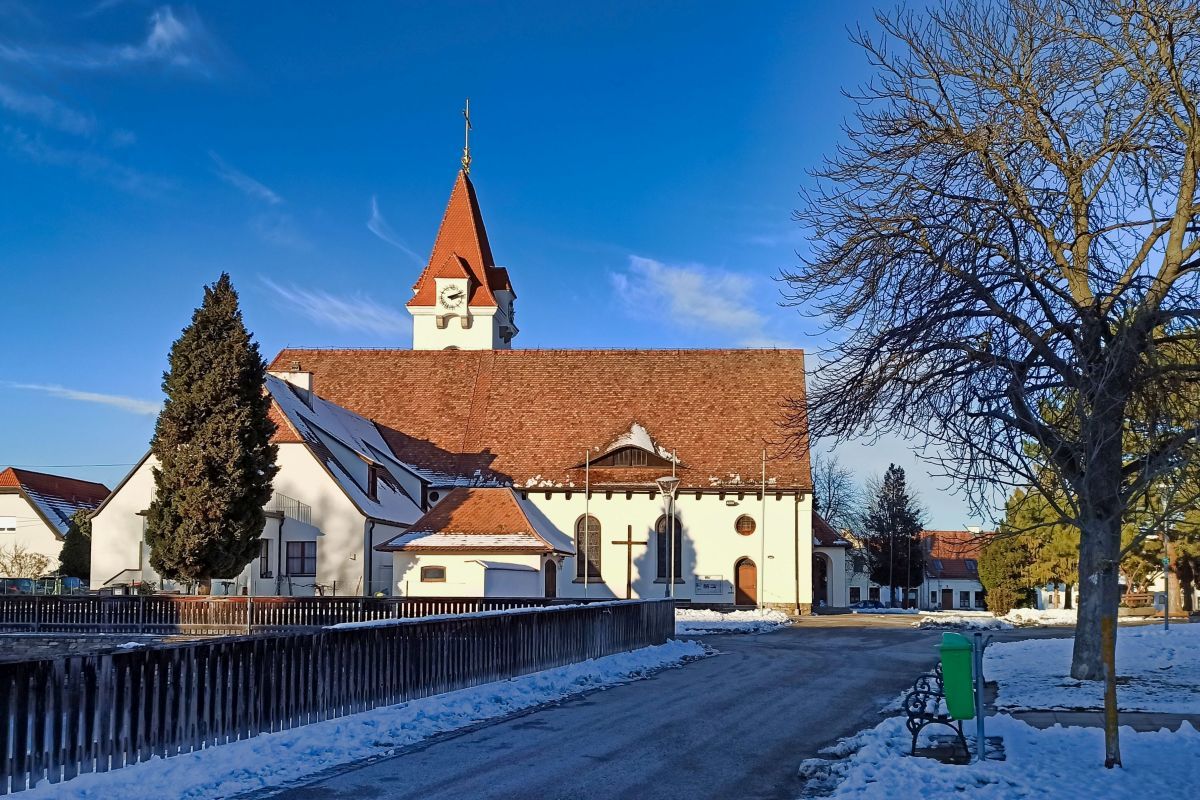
(461, 249)
(55, 497)
(526, 416)
(473, 519)
(824, 533)
(954, 544)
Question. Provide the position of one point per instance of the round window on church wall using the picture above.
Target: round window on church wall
(744, 525)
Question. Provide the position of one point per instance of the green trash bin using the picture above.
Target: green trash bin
(956, 676)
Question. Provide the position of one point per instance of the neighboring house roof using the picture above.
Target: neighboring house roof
(527, 417)
(824, 535)
(480, 520)
(54, 497)
(337, 436)
(461, 249)
(953, 555)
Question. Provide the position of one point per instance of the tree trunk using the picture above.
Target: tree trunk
(1187, 582)
(1067, 604)
(1173, 587)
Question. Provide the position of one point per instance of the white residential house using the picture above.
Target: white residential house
(36, 510)
(951, 575)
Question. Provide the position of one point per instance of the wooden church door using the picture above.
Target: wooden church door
(746, 583)
(551, 579)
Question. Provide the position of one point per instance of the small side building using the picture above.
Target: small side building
(36, 510)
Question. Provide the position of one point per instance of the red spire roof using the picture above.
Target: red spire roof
(461, 248)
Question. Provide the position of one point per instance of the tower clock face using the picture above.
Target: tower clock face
(451, 297)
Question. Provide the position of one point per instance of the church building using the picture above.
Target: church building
(467, 466)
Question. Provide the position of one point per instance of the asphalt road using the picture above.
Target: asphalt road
(735, 725)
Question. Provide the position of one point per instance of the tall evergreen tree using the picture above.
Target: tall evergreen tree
(892, 535)
(213, 445)
(75, 560)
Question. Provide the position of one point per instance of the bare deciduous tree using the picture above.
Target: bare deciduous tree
(835, 495)
(1004, 249)
(18, 561)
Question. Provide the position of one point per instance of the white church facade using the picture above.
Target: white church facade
(464, 467)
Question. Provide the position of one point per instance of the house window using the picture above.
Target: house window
(979, 600)
(933, 599)
(855, 594)
(744, 525)
(433, 574)
(373, 481)
(264, 558)
(587, 541)
(8, 524)
(964, 599)
(873, 593)
(662, 534)
(302, 558)
(972, 565)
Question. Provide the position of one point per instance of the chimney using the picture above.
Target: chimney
(300, 381)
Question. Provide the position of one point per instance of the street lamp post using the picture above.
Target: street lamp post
(669, 484)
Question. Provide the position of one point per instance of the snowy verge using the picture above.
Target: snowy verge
(1055, 762)
(963, 622)
(884, 611)
(276, 759)
(1157, 671)
(1017, 618)
(700, 621)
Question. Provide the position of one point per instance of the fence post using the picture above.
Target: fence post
(141, 613)
(37, 613)
(250, 614)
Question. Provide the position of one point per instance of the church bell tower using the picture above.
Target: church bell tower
(462, 300)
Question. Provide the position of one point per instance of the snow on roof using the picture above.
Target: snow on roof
(326, 428)
(426, 540)
(56, 498)
(481, 519)
(637, 436)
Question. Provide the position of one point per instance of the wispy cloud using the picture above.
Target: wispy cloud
(87, 162)
(130, 404)
(243, 182)
(695, 297)
(380, 227)
(354, 312)
(47, 111)
(178, 40)
(278, 228)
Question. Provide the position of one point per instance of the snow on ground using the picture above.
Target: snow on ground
(1157, 671)
(274, 759)
(1058, 762)
(699, 621)
(1017, 618)
(1034, 617)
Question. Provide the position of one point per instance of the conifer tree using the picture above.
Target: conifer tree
(75, 560)
(892, 534)
(213, 445)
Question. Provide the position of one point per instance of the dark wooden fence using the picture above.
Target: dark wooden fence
(95, 713)
(165, 614)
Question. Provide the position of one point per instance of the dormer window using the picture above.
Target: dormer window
(373, 481)
(630, 457)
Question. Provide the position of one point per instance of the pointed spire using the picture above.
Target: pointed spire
(461, 242)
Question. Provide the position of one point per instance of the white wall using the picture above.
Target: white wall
(711, 545)
(32, 532)
(465, 576)
(337, 527)
(934, 585)
(482, 332)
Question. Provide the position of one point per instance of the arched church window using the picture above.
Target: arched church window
(587, 548)
(745, 525)
(662, 535)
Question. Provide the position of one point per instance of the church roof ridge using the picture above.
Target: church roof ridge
(278, 362)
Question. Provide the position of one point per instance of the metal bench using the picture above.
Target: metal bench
(924, 706)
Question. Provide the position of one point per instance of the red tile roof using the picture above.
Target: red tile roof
(55, 497)
(953, 555)
(481, 520)
(526, 416)
(824, 534)
(461, 249)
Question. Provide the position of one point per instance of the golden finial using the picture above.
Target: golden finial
(466, 156)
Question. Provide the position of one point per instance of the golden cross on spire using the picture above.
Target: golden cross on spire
(466, 156)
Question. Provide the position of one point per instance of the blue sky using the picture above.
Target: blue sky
(637, 164)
